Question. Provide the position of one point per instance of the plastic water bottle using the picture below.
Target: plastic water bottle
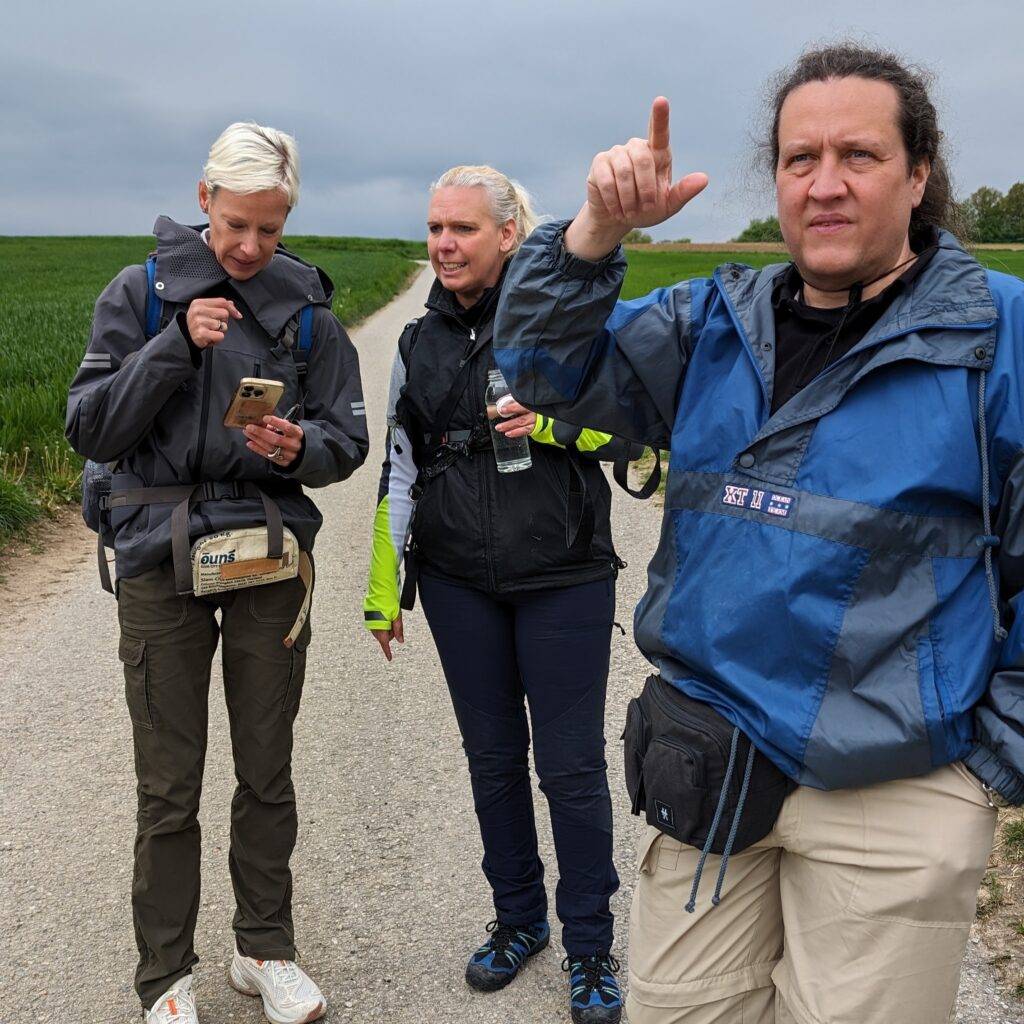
(511, 453)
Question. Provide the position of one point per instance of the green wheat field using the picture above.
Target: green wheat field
(48, 287)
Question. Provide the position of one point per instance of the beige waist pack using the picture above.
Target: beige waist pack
(233, 559)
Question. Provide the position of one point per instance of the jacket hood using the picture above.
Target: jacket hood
(186, 268)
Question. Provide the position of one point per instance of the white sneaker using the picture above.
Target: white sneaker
(290, 996)
(175, 1006)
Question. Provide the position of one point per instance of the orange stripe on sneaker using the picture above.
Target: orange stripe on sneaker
(173, 1007)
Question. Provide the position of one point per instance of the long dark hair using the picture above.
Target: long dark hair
(918, 122)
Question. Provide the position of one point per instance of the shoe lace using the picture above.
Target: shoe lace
(502, 935)
(285, 973)
(593, 969)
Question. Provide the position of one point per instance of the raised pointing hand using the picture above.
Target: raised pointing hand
(631, 186)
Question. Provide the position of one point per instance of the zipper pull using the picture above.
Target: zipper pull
(472, 337)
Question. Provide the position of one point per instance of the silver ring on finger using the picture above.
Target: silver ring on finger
(275, 453)
(222, 326)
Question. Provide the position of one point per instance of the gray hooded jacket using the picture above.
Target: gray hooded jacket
(156, 407)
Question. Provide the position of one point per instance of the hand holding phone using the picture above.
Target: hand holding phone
(254, 399)
(279, 439)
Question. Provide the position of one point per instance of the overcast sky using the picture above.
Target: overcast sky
(107, 110)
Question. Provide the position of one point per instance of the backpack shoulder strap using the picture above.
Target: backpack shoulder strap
(154, 304)
(407, 340)
(298, 339)
(305, 329)
(444, 413)
(459, 384)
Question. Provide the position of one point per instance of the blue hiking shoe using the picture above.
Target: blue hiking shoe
(498, 960)
(594, 995)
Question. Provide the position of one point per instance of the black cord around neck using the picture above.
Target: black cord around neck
(856, 291)
(863, 284)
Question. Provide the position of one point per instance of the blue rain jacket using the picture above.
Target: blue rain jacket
(821, 577)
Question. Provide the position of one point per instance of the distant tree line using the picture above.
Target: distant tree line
(988, 217)
(638, 237)
(766, 230)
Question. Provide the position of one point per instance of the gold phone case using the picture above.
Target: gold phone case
(254, 399)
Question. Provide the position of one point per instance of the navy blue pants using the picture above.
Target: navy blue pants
(551, 647)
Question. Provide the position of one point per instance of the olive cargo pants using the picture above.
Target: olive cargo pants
(167, 646)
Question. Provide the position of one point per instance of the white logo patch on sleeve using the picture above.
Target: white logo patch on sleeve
(771, 503)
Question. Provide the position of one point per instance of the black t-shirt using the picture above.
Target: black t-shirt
(809, 339)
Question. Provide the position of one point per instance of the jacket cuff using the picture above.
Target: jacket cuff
(574, 266)
(375, 621)
(194, 351)
(1000, 777)
(294, 465)
(167, 356)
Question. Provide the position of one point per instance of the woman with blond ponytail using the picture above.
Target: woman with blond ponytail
(517, 575)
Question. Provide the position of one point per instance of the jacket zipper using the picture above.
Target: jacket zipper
(485, 490)
(197, 465)
(940, 698)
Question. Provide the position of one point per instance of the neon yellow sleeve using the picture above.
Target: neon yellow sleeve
(547, 431)
(544, 431)
(381, 605)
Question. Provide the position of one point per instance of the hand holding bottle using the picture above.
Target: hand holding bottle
(512, 449)
(519, 421)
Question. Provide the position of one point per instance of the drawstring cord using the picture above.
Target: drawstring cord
(723, 796)
(717, 898)
(716, 821)
(989, 540)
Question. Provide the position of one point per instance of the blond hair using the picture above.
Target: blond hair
(247, 157)
(508, 199)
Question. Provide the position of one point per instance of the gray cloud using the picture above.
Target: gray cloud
(109, 108)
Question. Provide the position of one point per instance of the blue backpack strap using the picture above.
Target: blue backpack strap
(154, 304)
(306, 329)
(303, 341)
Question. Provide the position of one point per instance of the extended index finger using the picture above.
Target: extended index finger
(657, 126)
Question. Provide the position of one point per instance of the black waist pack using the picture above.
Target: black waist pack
(697, 777)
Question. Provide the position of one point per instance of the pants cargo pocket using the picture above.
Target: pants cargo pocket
(296, 672)
(136, 681)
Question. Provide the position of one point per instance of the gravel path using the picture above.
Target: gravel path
(389, 897)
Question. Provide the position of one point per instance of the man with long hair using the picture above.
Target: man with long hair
(831, 608)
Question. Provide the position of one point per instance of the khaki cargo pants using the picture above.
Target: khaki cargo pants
(855, 909)
(167, 646)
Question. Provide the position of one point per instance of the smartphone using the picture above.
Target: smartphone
(254, 399)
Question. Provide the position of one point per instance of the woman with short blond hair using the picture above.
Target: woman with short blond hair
(171, 343)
